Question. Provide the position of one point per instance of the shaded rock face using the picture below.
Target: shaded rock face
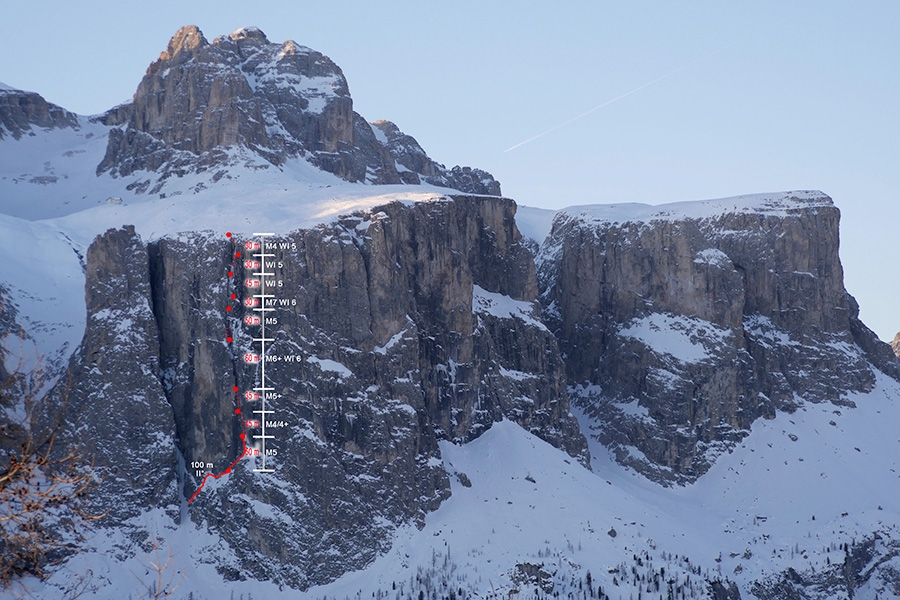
(406, 324)
(116, 404)
(204, 105)
(21, 112)
(678, 333)
(724, 590)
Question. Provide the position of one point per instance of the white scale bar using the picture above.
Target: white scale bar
(262, 339)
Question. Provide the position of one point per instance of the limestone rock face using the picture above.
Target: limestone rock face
(21, 112)
(679, 330)
(242, 99)
(403, 326)
(407, 152)
(471, 180)
(895, 345)
(202, 98)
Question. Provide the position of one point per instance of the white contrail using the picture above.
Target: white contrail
(616, 99)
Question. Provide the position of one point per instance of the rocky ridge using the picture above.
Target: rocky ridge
(895, 345)
(414, 166)
(21, 112)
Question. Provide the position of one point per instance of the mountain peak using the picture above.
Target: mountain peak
(187, 38)
(208, 105)
(896, 344)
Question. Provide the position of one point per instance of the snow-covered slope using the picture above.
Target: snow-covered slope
(52, 175)
(44, 287)
(53, 172)
(799, 487)
(536, 223)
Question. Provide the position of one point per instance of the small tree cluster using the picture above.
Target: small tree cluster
(42, 489)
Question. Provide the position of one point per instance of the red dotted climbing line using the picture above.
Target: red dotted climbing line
(237, 399)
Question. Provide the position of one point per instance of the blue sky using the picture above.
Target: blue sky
(770, 96)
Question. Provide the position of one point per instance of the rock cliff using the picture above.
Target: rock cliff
(672, 330)
(682, 325)
(407, 325)
(895, 345)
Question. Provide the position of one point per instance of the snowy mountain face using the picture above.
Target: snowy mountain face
(20, 111)
(235, 114)
(470, 399)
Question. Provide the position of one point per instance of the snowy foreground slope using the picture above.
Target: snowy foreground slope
(775, 503)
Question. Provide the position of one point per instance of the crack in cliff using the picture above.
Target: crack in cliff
(156, 271)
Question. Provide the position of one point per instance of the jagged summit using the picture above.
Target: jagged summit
(895, 345)
(187, 38)
(209, 105)
(232, 113)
